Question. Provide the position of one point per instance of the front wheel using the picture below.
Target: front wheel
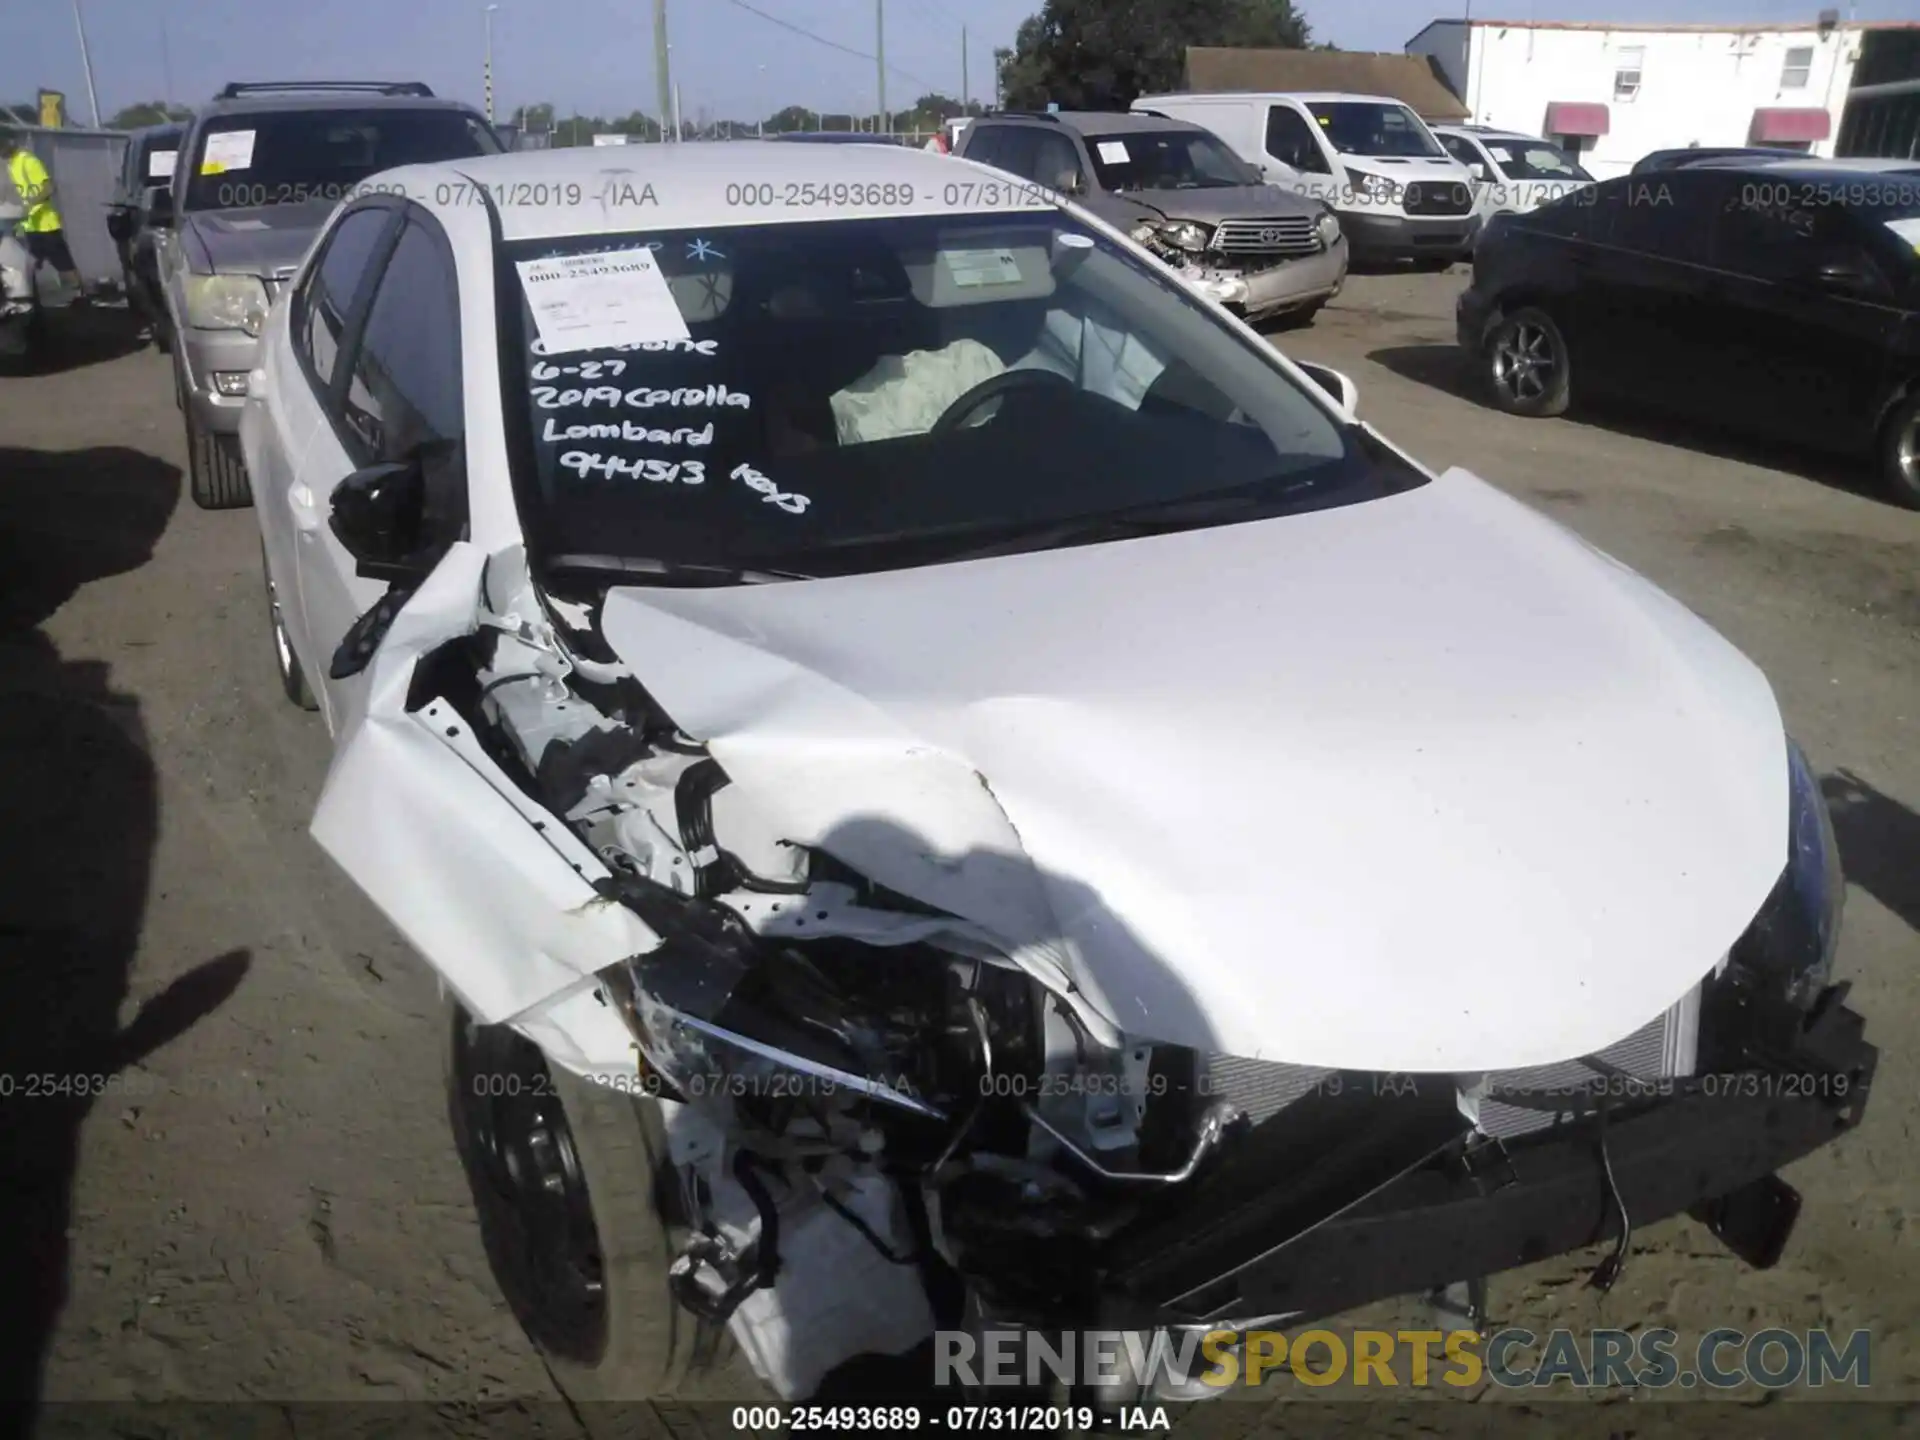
(567, 1178)
(1900, 454)
(1526, 364)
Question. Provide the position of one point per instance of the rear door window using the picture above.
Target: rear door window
(1669, 216)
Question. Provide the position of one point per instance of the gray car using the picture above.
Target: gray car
(1176, 187)
(258, 172)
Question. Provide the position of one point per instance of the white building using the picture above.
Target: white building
(1613, 93)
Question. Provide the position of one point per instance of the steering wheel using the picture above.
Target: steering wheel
(992, 388)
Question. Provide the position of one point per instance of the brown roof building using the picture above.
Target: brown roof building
(1409, 78)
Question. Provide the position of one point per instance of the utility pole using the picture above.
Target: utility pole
(86, 63)
(879, 55)
(166, 58)
(662, 77)
(487, 14)
(965, 91)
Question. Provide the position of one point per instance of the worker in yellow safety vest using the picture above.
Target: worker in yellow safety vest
(40, 229)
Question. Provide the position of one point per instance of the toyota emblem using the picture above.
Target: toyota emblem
(1270, 237)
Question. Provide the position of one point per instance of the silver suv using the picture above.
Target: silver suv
(1176, 188)
(259, 171)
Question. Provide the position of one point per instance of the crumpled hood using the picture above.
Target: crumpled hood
(1419, 784)
(259, 240)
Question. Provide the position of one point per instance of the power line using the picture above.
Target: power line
(830, 44)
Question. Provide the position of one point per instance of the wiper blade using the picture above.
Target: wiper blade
(645, 569)
(1161, 519)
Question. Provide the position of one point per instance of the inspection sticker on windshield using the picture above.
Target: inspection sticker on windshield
(601, 300)
(160, 164)
(1114, 152)
(227, 150)
(982, 267)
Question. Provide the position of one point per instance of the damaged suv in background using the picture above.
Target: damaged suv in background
(1263, 252)
(950, 785)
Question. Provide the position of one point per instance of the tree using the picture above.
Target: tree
(1101, 54)
(148, 112)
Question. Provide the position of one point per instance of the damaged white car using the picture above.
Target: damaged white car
(951, 785)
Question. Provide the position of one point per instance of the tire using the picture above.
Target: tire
(1900, 454)
(584, 1266)
(293, 679)
(217, 475)
(1525, 364)
(1299, 319)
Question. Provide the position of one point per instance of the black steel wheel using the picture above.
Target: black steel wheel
(565, 1176)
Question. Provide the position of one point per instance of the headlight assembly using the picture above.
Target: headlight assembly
(226, 302)
(1175, 234)
(1791, 942)
(1328, 229)
(1374, 187)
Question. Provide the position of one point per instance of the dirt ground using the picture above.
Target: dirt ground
(267, 1206)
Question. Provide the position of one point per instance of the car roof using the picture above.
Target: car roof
(1121, 122)
(1854, 165)
(1310, 97)
(1487, 132)
(622, 189)
(147, 134)
(281, 101)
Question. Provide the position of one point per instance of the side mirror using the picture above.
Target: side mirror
(1479, 171)
(157, 203)
(1336, 386)
(377, 515)
(119, 225)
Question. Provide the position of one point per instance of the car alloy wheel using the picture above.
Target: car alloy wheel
(1524, 364)
(1527, 364)
(1901, 465)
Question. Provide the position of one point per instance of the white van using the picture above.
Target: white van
(1397, 191)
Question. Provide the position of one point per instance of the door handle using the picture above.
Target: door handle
(306, 513)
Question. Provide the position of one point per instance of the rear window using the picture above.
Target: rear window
(290, 157)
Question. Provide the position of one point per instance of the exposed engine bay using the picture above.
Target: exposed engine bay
(830, 1049)
(883, 1117)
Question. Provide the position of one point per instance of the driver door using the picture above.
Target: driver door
(395, 396)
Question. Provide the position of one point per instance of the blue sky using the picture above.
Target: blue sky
(597, 55)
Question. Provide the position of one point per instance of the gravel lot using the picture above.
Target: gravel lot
(270, 1208)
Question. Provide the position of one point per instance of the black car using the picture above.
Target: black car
(147, 163)
(1710, 155)
(1778, 299)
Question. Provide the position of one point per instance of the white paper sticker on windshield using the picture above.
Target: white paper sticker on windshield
(1907, 230)
(1113, 152)
(160, 164)
(982, 267)
(227, 150)
(600, 300)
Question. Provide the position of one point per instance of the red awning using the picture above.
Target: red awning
(1799, 126)
(1576, 117)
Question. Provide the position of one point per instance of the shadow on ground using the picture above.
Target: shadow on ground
(76, 338)
(80, 803)
(1879, 843)
(1446, 368)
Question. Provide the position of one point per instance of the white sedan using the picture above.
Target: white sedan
(1512, 173)
(881, 705)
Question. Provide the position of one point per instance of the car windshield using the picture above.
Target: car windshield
(1166, 160)
(1535, 160)
(1369, 127)
(286, 157)
(810, 399)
